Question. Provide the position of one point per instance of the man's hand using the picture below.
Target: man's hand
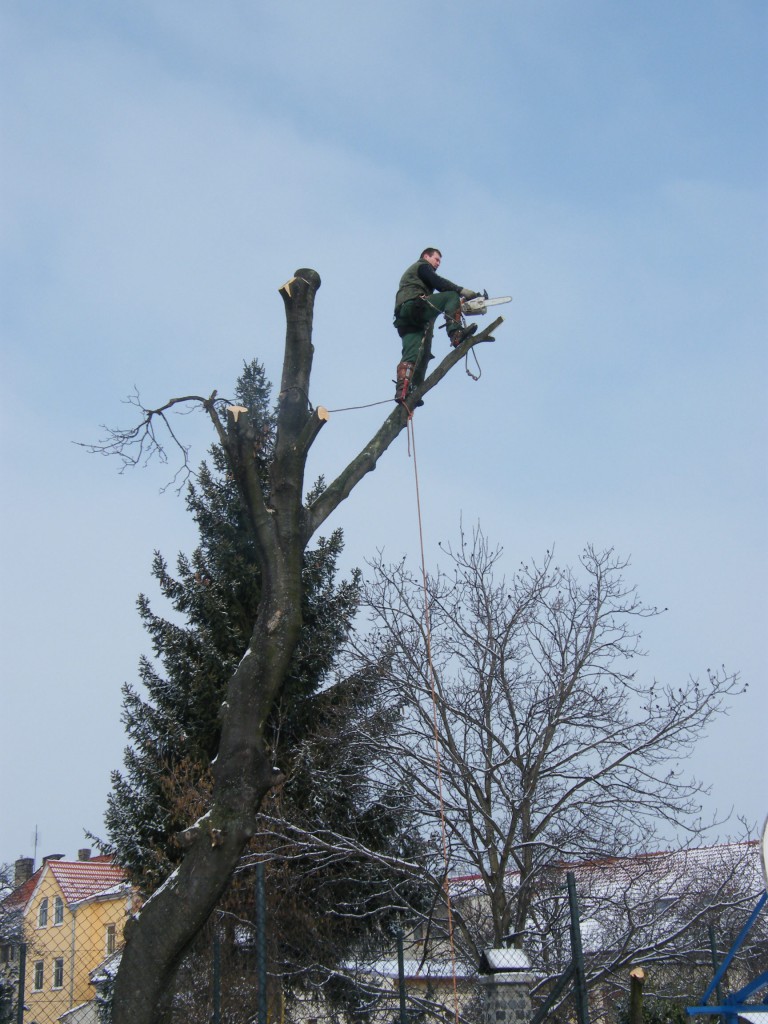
(467, 293)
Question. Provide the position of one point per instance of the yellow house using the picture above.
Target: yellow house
(73, 915)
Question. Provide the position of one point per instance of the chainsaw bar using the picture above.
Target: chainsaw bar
(478, 306)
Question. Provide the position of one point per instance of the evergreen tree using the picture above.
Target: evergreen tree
(173, 721)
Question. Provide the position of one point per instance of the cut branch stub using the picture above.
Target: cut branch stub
(311, 429)
(306, 276)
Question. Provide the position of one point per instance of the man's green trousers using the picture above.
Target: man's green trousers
(420, 313)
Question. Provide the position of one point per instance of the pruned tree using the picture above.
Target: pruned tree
(172, 720)
(282, 525)
(552, 747)
(312, 733)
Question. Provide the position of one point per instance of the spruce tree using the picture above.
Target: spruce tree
(173, 726)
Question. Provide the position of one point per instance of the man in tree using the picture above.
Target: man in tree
(282, 524)
(416, 306)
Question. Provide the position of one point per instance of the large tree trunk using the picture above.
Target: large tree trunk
(169, 921)
(158, 937)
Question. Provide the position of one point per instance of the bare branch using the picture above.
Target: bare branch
(139, 445)
(552, 748)
(365, 462)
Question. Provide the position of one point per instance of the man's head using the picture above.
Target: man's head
(432, 256)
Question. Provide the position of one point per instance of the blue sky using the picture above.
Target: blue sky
(165, 167)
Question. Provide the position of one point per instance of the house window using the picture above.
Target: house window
(39, 976)
(7, 953)
(111, 938)
(58, 910)
(42, 913)
(58, 972)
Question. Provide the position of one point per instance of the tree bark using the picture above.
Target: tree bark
(159, 935)
(636, 982)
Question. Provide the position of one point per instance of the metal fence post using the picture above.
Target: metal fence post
(574, 972)
(22, 980)
(216, 1019)
(579, 979)
(715, 964)
(261, 945)
(401, 975)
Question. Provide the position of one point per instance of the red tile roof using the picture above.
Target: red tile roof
(81, 879)
(77, 879)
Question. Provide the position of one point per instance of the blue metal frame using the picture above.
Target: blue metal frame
(734, 1003)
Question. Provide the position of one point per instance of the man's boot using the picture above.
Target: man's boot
(403, 383)
(459, 334)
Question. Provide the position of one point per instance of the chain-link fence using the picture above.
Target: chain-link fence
(221, 982)
(60, 977)
(227, 979)
(267, 956)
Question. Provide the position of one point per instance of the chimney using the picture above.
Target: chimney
(84, 854)
(22, 871)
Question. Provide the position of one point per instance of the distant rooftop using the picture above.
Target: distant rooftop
(78, 880)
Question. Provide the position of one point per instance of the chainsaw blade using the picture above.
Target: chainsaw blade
(478, 306)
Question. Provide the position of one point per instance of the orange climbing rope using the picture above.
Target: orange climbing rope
(438, 762)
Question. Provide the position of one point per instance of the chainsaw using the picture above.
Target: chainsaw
(480, 304)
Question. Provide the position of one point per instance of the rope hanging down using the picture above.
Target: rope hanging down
(438, 761)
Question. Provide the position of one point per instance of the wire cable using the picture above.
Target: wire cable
(432, 681)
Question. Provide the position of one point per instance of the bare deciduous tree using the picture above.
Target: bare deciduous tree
(552, 747)
(663, 911)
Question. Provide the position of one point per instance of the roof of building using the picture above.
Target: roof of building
(82, 879)
(78, 880)
(19, 898)
(658, 864)
(424, 968)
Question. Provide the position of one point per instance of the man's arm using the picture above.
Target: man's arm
(435, 282)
